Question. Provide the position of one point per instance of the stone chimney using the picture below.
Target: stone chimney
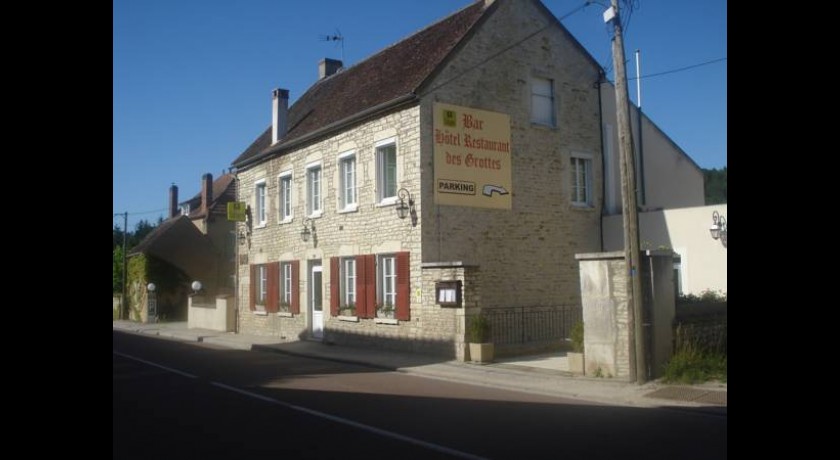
(206, 192)
(173, 200)
(279, 114)
(328, 67)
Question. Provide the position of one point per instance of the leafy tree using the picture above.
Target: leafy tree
(142, 229)
(715, 183)
(118, 269)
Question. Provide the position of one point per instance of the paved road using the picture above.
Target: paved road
(179, 400)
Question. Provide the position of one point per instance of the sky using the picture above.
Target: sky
(193, 79)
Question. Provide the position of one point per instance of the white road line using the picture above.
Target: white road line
(361, 426)
(176, 371)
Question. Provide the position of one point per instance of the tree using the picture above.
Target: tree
(142, 229)
(118, 269)
(714, 181)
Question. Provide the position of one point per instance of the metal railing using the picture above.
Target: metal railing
(521, 325)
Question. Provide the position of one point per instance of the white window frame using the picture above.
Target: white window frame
(538, 99)
(284, 197)
(345, 205)
(588, 188)
(286, 283)
(386, 277)
(348, 281)
(260, 208)
(262, 287)
(381, 197)
(314, 197)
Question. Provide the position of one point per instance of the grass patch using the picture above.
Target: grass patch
(694, 362)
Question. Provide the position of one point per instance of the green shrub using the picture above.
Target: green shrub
(478, 329)
(692, 363)
(577, 337)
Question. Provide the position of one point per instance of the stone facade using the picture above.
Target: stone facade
(518, 257)
(526, 255)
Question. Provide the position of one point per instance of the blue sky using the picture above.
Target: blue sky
(193, 79)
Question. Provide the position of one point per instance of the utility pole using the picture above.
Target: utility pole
(125, 265)
(628, 203)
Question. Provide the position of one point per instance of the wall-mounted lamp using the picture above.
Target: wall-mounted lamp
(403, 209)
(718, 228)
(306, 232)
(196, 287)
(151, 287)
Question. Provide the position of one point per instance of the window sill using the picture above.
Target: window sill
(287, 220)
(262, 225)
(390, 201)
(351, 208)
(389, 321)
(349, 319)
(260, 312)
(315, 215)
(583, 207)
(284, 314)
(536, 124)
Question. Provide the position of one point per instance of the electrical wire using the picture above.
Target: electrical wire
(504, 50)
(679, 69)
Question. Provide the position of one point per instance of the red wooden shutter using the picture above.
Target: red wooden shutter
(253, 288)
(370, 285)
(335, 292)
(273, 287)
(403, 307)
(295, 308)
(361, 297)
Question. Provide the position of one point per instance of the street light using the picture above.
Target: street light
(304, 234)
(718, 228)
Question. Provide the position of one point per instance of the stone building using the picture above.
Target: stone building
(457, 171)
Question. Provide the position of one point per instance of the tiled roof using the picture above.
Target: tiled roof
(223, 192)
(386, 76)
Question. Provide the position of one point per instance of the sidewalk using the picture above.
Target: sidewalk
(540, 374)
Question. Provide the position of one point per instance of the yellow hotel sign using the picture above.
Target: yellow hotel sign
(236, 211)
(472, 157)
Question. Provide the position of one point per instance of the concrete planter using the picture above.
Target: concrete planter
(575, 362)
(482, 352)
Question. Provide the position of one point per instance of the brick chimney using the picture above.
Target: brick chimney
(206, 192)
(173, 200)
(328, 67)
(279, 114)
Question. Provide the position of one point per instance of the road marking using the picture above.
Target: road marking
(176, 371)
(361, 426)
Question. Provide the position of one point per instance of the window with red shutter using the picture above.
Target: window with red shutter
(272, 287)
(295, 287)
(253, 288)
(361, 292)
(403, 304)
(335, 291)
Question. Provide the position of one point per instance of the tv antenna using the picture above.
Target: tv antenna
(337, 37)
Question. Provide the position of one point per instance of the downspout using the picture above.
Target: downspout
(603, 163)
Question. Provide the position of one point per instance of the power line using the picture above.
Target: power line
(504, 50)
(680, 69)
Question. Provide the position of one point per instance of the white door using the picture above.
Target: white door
(316, 301)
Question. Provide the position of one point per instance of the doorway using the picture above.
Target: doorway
(316, 298)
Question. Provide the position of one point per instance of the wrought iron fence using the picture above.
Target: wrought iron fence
(520, 325)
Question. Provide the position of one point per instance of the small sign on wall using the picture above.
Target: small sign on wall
(448, 293)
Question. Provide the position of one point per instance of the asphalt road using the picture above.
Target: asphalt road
(186, 400)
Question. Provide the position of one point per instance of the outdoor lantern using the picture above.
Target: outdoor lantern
(196, 286)
(403, 208)
(304, 234)
(151, 287)
(718, 228)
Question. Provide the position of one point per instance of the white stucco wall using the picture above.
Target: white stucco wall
(670, 177)
(686, 231)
